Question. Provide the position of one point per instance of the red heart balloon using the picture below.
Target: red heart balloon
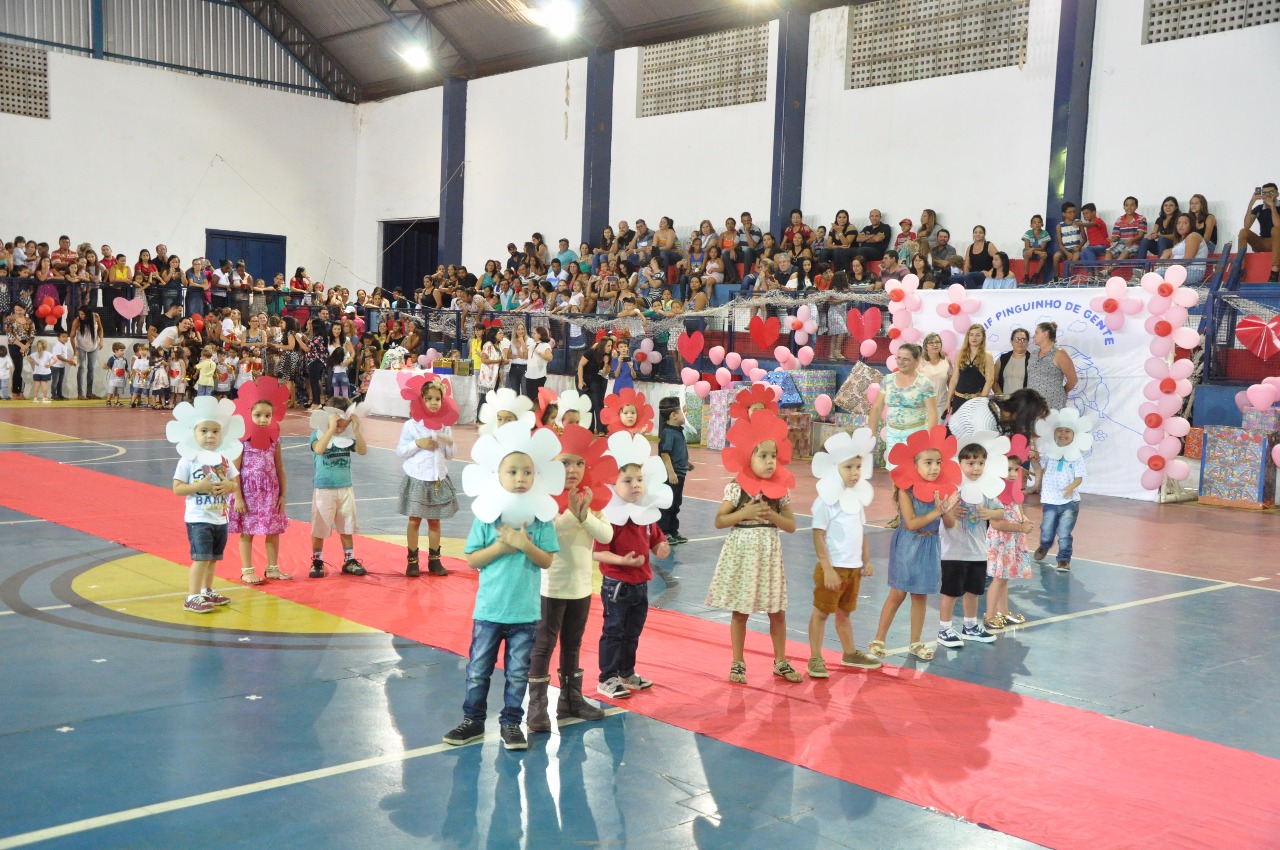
(764, 332)
(690, 345)
(853, 321)
(1261, 338)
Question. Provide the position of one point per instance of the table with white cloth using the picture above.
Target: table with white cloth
(383, 397)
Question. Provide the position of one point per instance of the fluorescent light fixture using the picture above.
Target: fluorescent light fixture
(558, 16)
(416, 57)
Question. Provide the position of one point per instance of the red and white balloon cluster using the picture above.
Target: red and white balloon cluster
(646, 356)
(904, 302)
(1170, 383)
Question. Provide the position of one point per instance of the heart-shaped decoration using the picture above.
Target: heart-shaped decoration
(130, 308)
(764, 331)
(690, 345)
(1262, 338)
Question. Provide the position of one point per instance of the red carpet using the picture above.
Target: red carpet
(1054, 775)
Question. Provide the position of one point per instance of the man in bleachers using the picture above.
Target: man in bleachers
(64, 256)
(874, 239)
(944, 257)
(566, 256)
(749, 241)
(1266, 239)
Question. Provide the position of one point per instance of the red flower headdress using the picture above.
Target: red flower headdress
(601, 469)
(1021, 449)
(264, 389)
(546, 398)
(903, 457)
(411, 390)
(612, 412)
(754, 394)
(743, 436)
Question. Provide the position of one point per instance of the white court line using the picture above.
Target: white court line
(22, 521)
(104, 602)
(87, 824)
(902, 650)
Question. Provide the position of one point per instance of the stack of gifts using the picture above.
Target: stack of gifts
(1236, 469)
(848, 423)
(811, 383)
(1193, 445)
(852, 397)
(715, 415)
(1261, 421)
(799, 431)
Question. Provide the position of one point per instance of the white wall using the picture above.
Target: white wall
(713, 163)
(397, 168)
(892, 147)
(525, 146)
(147, 179)
(1211, 129)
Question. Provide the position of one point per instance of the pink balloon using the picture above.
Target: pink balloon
(688, 376)
(1158, 304)
(822, 404)
(873, 392)
(653, 358)
(891, 363)
(811, 327)
(1177, 426)
(1186, 337)
(733, 360)
(1145, 454)
(782, 354)
(1242, 401)
(724, 377)
(423, 361)
(646, 367)
(802, 337)
(748, 363)
(1156, 367)
(1272, 380)
(868, 348)
(895, 344)
(702, 388)
(1169, 447)
(1186, 298)
(1168, 405)
(1177, 275)
(1261, 396)
(805, 356)
(716, 354)
(1275, 454)
(902, 320)
(777, 392)
(1145, 408)
(1152, 390)
(1151, 480)
(1152, 436)
(757, 374)
(804, 312)
(1178, 470)
(1161, 346)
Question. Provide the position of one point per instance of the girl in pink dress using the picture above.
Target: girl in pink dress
(1007, 554)
(262, 403)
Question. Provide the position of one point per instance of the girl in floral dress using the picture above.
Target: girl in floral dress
(1007, 553)
(262, 478)
(757, 504)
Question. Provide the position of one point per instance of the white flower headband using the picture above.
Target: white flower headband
(181, 430)
(1068, 417)
(574, 400)
(992, 481)
(839, 448)
(492, 501)
(505, 399)
(627, 448)
(320, 422)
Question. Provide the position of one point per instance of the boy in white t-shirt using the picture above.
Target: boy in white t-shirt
(117, 368)
(6, 373)
(206, 487)
(63, 356)
(140, 369)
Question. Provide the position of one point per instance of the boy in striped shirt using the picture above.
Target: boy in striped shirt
(1127, 232)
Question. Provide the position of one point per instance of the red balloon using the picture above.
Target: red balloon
(1165, 289)
(1156, 463)
(42, 311)
(48, 300)
(1163, 328)
(897, 295)
(1153, 420)
(953, 309)
(894, 333)
(1167, 386)
(1110, 305)
(59, 311)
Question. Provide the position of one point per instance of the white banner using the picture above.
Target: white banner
(1109, 366)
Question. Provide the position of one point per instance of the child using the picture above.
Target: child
(260, 504)
(426, 446)
(843, 472)
(639, 494)
(1007, 555)
(367, 368)
(117, 368)
(503, 406)
(339, 381)
(964, 552)
(1064, 440)
(177, 376)
(41, 361)
(749, 575)
(206, 369)
(250, 369)
(63, 356)
(140, 368)
(511, 542)
(206, 433)
(926, 478)
(674, 452)
(626, 410)
(227, 363)
(1070, 239)
(6, 374)
(158, 383)
(333, 503)
(566, 584)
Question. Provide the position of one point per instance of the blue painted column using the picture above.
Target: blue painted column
(1070, 106)
(96, 22)
(598, 157)
(788, 117)
(453, 155)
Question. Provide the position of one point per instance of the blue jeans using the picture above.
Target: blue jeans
(485, 637)
(1094, 253)
(1059, 520)
(626, 606)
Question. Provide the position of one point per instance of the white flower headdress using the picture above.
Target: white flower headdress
(320, 422)
(509, 400)
(838, 448)
(993, 479)
(491, 500)
(574, 400)
(181, 430)
(627, 448)
(1067, 417)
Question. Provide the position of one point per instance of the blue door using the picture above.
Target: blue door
(263, 253)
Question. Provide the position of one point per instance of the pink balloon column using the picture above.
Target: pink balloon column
(904, 302)
(803, 324)
(1170, 382)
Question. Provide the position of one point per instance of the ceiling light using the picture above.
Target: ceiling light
(416, 57)
(558, 16)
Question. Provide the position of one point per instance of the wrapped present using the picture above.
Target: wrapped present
(852, 396)
(847, 423)
(694, 413)
(812, 383)
(1261, 421)
(849, 420)
(1193, 445)
(1236, 469)
(717, 417)
(799, 432)
(790, 394)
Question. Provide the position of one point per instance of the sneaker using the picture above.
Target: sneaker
(977, 633)
(1014, 619)
(1040, 553)
(512, 737)
(947, 637)
(1274, 277)
(818, 669)
(197, 605)
(613, 689)
(464, 733)
(858, 658)
(217, 598)
(1064, 566)
(317, 568)
(677, 539)
(353, 567)
(636, 682)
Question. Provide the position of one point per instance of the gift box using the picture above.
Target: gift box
(799, 432)
(790, 393)
(852, 396)
(1193, 445)
(1236, 469)
(1261, 421)
(811, 383)
(717, 417)
(847, 423)
(694, 414)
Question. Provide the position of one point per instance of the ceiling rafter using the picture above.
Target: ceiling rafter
(292, 35)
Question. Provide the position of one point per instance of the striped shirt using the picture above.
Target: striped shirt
(1127, 228)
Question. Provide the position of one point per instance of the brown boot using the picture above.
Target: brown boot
(435, 567)
(571, 703)
(537, 720)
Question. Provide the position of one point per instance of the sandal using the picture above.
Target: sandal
(919, 650)
(274, 572)
(738, 673)
(876, 648)
(996, 621)
(1014, 619)
(784, 669)
(248, 576)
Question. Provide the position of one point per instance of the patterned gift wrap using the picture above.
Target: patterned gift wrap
(799, 432)
(717, 417)
(812, 383)
(790, 394)
(1193, 445)
(852, 396)
(1261, 421)
(694, 412)
(1236, 470)
(848, 423)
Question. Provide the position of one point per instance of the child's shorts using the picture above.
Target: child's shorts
(961, 577)
(208, 541)
(846, 598)
(115, 387)
(42, 379)
(333, 510)
(204, 389)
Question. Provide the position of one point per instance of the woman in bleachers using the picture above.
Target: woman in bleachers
(799, 249)
(860, 274)
(920, 268)
(1203, 221)
(666, 243)
(605, 250)
(927, 232)
(1188, 245)
(978, 259)
(1000, 276)
(729, 248)
(1163, 230)
(842, 242)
